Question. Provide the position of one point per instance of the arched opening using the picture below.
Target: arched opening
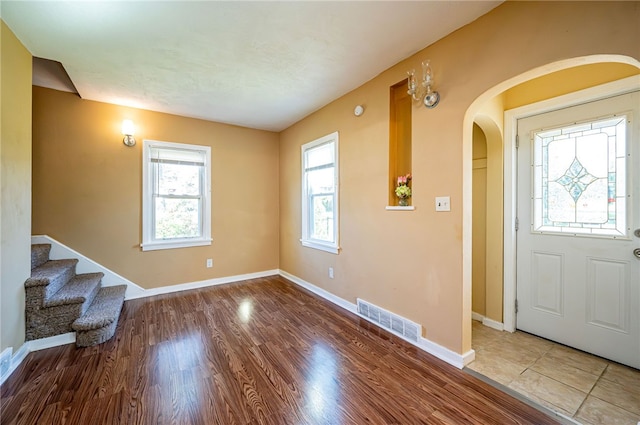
(488, 223)
(488, 114)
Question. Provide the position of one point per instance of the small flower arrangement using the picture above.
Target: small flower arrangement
(403, 191)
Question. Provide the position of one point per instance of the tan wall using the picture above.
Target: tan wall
(479, 238)
(490, 120)
(566, 81)
(412, 262)
(15, 177)
(87, 189)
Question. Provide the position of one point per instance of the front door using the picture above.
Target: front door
(578, 278)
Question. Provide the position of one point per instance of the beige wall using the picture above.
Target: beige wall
(566, 81)
(479, 238)
(15, 178)
(490, 120)
(87, 189)
(412, 263)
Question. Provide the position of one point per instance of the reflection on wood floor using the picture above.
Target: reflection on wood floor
(586, 388)
(256, 352)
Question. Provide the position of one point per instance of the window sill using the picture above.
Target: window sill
(154, 246)
(396, 208)
(322, 247)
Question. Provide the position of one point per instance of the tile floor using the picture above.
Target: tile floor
(586, 388)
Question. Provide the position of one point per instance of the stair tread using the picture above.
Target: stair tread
(43, 274)
(76, 291)
(104, 310)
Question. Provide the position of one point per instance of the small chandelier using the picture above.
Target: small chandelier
(424, 92)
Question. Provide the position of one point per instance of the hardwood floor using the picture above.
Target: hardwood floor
(257, 352)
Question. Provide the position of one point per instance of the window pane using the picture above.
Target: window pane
(178, 179)
(177, 218)
(320, 155)
(320, 181)
(322, 217)
(579, 174)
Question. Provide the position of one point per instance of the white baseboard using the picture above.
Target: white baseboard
(35, 345)
(487, 322)
(444, 354)
(351, 307)
(477, 316)
(52, 341)
(493, 324)
(437, 350)
(201, 284)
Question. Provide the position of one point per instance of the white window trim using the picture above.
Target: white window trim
(306, 241)
(148, 244)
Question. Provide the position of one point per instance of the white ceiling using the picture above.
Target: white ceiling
(262, 65)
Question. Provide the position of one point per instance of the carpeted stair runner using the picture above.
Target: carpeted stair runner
(99, 323)
(59, 301)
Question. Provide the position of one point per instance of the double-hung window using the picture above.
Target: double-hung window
(176, 206)
(320, 194)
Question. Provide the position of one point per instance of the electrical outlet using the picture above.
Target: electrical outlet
(443, 203)
(209, 263)
(330, 272)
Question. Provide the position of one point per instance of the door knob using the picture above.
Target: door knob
(637, 233)
(636, 252)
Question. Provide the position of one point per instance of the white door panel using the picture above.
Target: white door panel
(578, 281)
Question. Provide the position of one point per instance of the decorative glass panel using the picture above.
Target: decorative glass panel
(579, 184)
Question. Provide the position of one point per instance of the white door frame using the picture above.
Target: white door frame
(511, 118)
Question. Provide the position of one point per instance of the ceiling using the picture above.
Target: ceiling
(262, 64)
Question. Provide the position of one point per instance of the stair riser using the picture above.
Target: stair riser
(96, 336)
(43, 323)
(57, 283)
(34, 297)
(85, 305)
(39, 255)
(52, 320)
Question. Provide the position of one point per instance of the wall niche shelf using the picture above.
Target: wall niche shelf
(397, 208)
(400, 108)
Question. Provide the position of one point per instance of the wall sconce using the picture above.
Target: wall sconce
(128, 131)
(425, 92)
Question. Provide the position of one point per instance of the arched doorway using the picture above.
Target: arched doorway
(487, 111)
(550, 81)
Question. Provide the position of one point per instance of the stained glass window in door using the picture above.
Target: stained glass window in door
(579, 184)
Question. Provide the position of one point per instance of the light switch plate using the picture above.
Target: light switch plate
(443, 203)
